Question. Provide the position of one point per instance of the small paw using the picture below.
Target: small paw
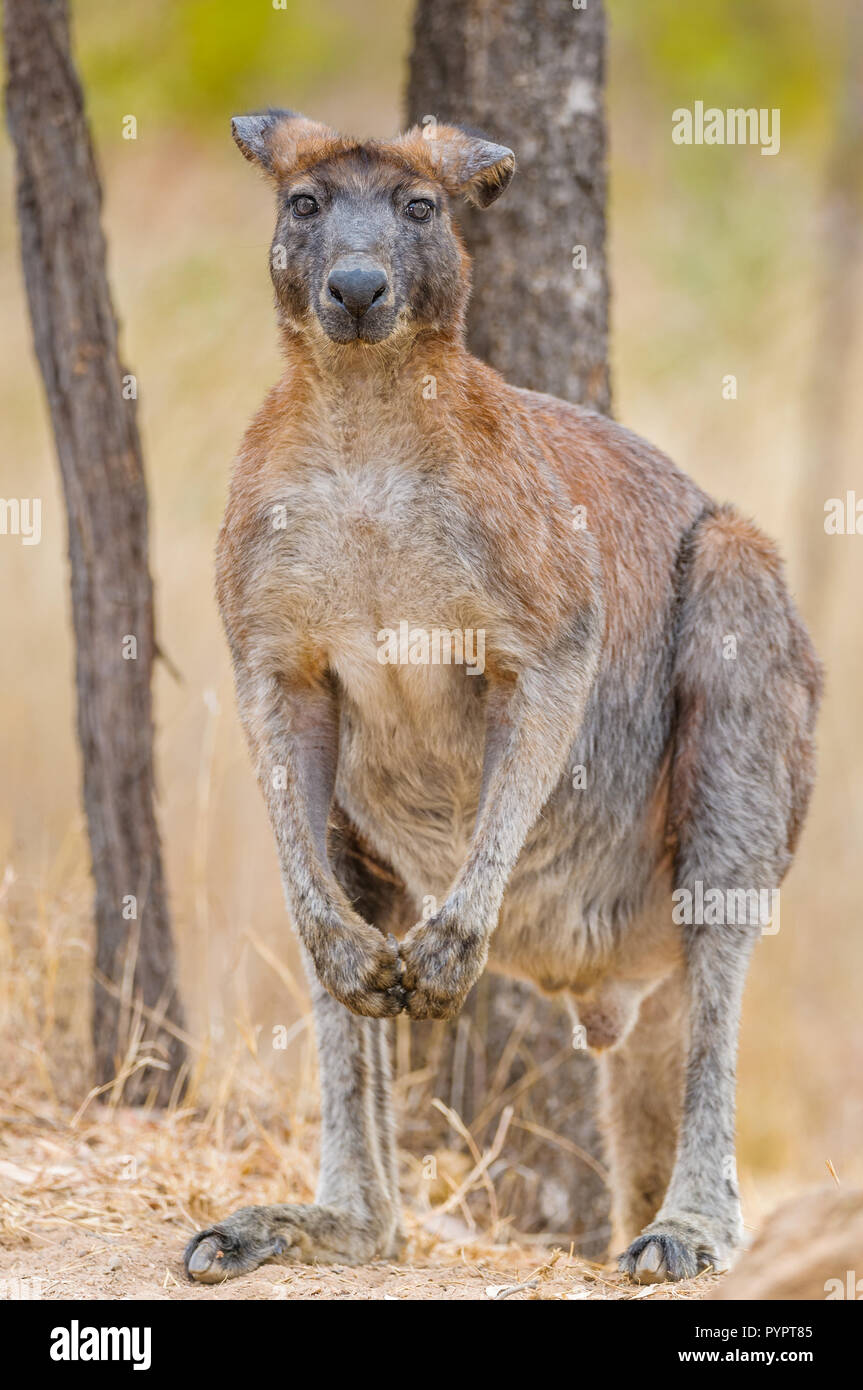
(363, 970)
(441, 965)
(671, 1249)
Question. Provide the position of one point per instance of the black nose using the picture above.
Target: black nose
(357, 285)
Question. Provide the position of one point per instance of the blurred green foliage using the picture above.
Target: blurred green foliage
(189, 63)
(783, 53)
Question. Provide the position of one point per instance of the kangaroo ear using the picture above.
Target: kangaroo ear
(468, 164)
(484, 171)
(274, 139)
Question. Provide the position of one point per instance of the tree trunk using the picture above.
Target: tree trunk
(136, 1007)
(529, 73)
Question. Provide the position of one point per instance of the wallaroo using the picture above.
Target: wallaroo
(607, 586)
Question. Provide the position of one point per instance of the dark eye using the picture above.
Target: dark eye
(304, 205)
(419, 210)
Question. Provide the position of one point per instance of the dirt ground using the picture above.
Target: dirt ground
(99, 1206)
(85, 1267)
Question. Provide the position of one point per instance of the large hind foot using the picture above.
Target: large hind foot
(676, 1248)
(254, 1236)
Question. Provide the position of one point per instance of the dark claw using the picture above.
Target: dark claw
(203, 1255)
(653, 1258)
(399, 996)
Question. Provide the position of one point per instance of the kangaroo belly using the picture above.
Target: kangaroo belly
(410, 760)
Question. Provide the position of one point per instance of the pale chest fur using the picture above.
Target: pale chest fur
(368, 566)
(359, 551)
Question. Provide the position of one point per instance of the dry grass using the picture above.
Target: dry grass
(99, 1205)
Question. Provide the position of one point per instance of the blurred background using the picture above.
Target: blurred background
(723, 262)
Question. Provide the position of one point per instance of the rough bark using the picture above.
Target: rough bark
(136, 1008)
(530, 74)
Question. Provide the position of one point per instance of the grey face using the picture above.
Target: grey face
(365, 245)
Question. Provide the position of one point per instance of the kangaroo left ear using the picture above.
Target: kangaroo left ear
(465, 164)
(483, 170)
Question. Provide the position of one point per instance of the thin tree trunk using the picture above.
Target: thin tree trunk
(530, 74)
(136, 1007)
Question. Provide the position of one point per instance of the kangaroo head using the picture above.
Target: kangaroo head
(364, 246)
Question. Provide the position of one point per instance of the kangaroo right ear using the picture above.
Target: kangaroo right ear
(275, 139)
